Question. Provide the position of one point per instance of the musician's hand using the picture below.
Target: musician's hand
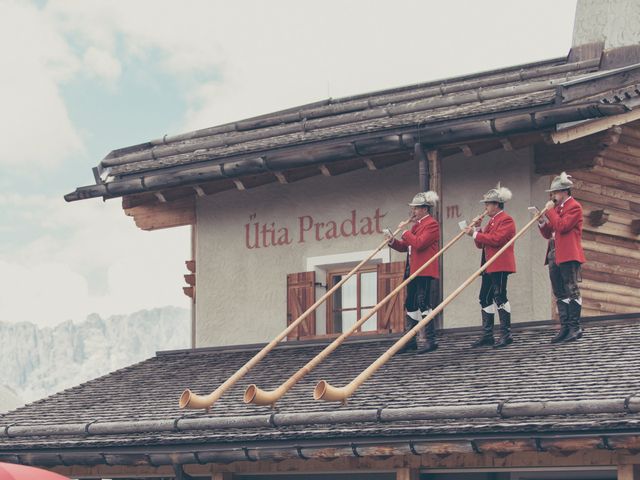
(549, 205)
(476, 220)
(388, 235)
(403, 224)
(469, 230)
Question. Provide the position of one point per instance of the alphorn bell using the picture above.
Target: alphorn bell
(254, 394)
(191, 400)
(325, 391)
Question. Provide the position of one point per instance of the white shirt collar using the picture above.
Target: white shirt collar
(565, 201)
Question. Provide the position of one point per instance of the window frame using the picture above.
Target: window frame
(331, 274)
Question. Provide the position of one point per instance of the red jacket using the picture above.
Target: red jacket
(500, 229)
(424, 240)
(566, 222)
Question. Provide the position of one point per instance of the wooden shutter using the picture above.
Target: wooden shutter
(391, 315)
(301, 294)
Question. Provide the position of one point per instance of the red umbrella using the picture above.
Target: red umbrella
(11, 471)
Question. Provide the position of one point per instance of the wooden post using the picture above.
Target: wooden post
(222, 476)
(435, 184)
(423, 167)
(194, 236)
(407, 474)
(628, 472)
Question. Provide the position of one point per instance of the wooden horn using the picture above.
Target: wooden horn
(191, 400)
(254, 394)
(325, 391)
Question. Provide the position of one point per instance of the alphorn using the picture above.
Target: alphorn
(191, 400)
(254, 394)
(325, 391)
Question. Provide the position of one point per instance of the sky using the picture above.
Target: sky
(80, 78)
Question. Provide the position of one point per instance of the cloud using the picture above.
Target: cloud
(102, 64)
(91, 259)
(35, 124)
(244, 58)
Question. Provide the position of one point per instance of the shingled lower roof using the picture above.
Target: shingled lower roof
(523, 98)
(532, 388)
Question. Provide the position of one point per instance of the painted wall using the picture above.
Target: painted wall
(248, 241)
(615, 23)
(465, 180)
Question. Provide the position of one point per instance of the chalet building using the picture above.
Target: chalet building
(282, 207)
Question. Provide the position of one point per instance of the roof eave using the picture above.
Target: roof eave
(277, 160)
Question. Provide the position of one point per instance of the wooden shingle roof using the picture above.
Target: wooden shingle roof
(530, 390)
(524, 98)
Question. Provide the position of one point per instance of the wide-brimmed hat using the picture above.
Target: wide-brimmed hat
(498, 195)
(424, 199)
(561, 182)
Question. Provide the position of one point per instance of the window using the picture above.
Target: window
(353, 300)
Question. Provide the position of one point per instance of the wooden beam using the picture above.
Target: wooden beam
(222, 476)
(628, 472)
(435, 184)
(598, 217)
(506, 144)
(529, 459)
(466, 150)
(370, 165)
(190, 279)
(164, 215)
(189, 291)
(282, 179)
(609, 287)
(191, 265)
(594, 126)
(325, 171)
(407, 474)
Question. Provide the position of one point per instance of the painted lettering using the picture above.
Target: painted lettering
(378, 217)
(283, 236)
(332, 231)
(367, 228)
(348, 227)
(306, 224)
(453, 211)
(269, 234)
(247, 236)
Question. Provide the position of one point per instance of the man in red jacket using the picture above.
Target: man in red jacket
(493, 291)
(562, 226)
(421, 243)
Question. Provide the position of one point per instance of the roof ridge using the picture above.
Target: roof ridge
(517, 326)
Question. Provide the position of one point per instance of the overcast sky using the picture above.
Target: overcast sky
(81, 78)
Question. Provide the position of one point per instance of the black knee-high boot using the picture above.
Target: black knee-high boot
(563, 314)
(412, 344)
(505, 328)
(487, 331)
(430, 338)
(575, 330)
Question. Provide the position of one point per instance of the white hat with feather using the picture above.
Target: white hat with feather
(498, 195)
(424, 199)
(561, 182)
